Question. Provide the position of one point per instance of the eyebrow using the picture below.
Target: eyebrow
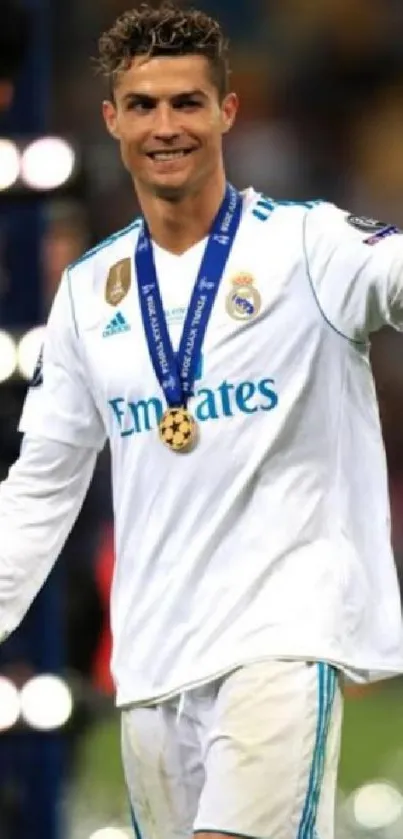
(177, 97)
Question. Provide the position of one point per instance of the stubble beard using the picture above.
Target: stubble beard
(172, 194)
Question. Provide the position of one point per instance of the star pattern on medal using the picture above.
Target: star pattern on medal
(177, 429)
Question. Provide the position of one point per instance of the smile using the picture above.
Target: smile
(169, 155)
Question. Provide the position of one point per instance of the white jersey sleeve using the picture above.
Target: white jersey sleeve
(355, 266)
(59, 404)
(39, 502)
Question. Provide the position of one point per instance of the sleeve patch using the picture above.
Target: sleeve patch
(378, 229)
(389, 230)
(366, 225)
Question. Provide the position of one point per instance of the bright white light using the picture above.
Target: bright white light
(28, 351)
(110, 833)
(47, 163)
(9, 704)
(377, 805)
(8, 356)
(9, 163)
(46, 703)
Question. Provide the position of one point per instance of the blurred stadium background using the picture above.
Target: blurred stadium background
(321, 87)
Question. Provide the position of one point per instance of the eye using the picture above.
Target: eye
(140, 106)
(188, 104)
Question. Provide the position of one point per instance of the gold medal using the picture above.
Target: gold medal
(178, 429)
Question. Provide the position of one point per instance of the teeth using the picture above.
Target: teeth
(168, 155)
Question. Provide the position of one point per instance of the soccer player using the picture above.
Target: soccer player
(220, 343)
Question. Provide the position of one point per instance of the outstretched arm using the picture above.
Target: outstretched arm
(43, 493)
(39, 503)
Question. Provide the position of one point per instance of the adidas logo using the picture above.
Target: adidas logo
(116, 326)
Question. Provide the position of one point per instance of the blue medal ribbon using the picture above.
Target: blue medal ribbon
(176, 373)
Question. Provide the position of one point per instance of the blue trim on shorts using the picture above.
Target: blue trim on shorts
(326, 690)
(137, 831)
(225, 833)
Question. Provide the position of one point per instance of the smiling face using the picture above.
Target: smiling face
(169, 122)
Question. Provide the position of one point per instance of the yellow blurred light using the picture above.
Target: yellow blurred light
(46, 702)
(47, 163)
(10, 162)
(8, 356)
(28, 351)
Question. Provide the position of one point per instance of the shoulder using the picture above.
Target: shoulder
(108, 249)
(280, 224)
(316, 227)
(321, 222)
(331, 227)
(103, 270)
(281, 216)
(262, 207)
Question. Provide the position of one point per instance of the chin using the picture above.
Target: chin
(171, 191)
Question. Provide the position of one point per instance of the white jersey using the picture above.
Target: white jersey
(272, 537)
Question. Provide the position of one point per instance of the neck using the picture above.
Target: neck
(176, 226)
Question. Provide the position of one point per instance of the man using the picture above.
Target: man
(220, 343)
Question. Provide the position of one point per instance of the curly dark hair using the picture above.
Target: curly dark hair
(169, 30)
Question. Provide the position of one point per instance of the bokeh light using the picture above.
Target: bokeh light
(46, 702)
(28, 351)
(377, 805)
(47, 163)
(9, 163)
(8, 356)
(9, 704)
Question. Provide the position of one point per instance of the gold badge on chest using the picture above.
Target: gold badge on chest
(243, 302)
(118, 282)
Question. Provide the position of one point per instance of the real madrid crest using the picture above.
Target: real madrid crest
(243, 301)
(118, 282)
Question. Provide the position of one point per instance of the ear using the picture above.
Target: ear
(110, 117)
(229, 110)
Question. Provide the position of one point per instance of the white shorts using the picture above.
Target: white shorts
(254, 754)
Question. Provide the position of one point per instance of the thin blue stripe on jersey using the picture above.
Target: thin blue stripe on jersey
(72, 307)
(105, 242)
(315, 296)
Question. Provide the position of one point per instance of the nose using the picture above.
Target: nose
(165, 125)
